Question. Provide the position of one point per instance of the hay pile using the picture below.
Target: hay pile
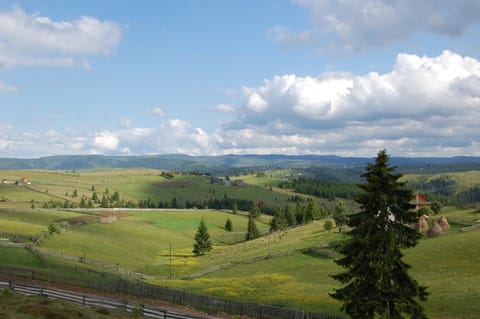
(443, 222)
(435, 229)
(422, 224)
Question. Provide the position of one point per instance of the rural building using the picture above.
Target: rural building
(420, 201)
(238, 183)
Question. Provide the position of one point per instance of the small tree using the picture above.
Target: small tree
(235, 208)
(254, 211)
(202, 243)
(252, 230)
(376, 280)
(228, 225)
(328, 225)
(436, 207)
(340, 216)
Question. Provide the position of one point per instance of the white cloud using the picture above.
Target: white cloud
(156, 111)
(225, 108)
(424, 104)
(4, 88)
(106, 141)
(38, 40)
(361, 24)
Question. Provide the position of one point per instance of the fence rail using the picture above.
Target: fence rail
(95, 301)
(144, 290)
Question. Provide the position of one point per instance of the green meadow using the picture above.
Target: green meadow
(133, 184)
(290, 268)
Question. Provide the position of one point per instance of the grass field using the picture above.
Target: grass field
(133, 184)
(15, 305)
(279, 268)
(274, 269)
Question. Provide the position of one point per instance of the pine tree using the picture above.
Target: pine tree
(278, 221)
(312, 211)
(291, 221)
(228, 225)
(235, 208)
(252, 230)
(254, 211)
(202, 243)
(376, 281)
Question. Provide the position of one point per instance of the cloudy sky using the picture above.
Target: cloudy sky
(240, 77)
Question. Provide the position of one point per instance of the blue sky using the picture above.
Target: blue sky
(221, 77)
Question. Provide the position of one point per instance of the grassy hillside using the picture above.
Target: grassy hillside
(16, 305)
(290, 268)
(132, 185)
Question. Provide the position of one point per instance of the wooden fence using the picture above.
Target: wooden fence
(96, 301)
(181, 297)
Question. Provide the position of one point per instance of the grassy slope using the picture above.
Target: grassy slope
(30, 222)
(134, 184)
(15, 305)
(141, 241)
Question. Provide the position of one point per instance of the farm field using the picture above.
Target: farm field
(134, 185)
(289, 268)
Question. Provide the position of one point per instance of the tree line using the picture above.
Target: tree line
(322, 189)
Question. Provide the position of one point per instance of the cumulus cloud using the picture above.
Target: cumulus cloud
(4, 88)
(172, 136)
(424, 104)
(361, 24)
(106, 141)
(38, 40)
(156, 111)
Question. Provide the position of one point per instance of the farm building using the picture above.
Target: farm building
(420, 200)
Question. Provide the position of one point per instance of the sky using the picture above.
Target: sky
(215, 77)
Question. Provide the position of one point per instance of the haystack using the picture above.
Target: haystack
(435, 229)
(422, 224)
(443, 222)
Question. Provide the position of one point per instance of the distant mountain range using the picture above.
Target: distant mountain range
(235, 163)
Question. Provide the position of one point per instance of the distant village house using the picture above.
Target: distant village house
(420, 201)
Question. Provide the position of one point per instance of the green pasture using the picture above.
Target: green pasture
(449, 266)
(19, 256)
(30, 222)
(133, 184)
(140, 241)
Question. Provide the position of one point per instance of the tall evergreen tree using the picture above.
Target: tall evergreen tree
(202, 243)
(312, 211)
(252, 230)
(278, 221)
(376, 280)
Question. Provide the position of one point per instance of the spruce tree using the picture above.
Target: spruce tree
(252, 230)
(376, 281)
(202, 243)
(228, 225)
